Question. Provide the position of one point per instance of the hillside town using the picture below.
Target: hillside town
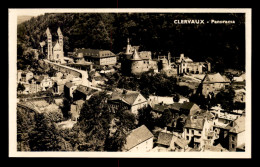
(161, 102)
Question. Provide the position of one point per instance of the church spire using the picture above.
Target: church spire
(128, 47)
(136, 56)
(49, 41)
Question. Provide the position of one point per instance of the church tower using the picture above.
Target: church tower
(60, 38)
(49, 41)
(128, 48)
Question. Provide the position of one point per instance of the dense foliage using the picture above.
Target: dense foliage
(149, 84)
(223, 44)
(97, 129)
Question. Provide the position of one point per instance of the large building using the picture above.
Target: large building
(186, 65)
(55, 51)
(98, 57)
(134, 62)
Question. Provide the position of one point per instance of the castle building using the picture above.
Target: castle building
(135, 62)
(55, 53)
(186, 65)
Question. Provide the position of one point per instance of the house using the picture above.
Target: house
(139, 140)
(96, 78)
(165, 140)
(240, 95)
(127, 99)
(45, 82)
(69, 88)
(198, 130)
(237, 134)
(152, 100)
(186, 108)
(189, 108)
(213, 83)
(171, 142)
(83, 93)
(24, 76)
(58, 86)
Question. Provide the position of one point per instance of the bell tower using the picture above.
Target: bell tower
(128, 47)
(49, 44)
(60, 38)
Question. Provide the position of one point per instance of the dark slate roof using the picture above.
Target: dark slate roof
(160, 108)
(127, 96)
(165, 138)
(85, 90)
(180, 141)
(194, 123)
(187, 105)
(137, 136)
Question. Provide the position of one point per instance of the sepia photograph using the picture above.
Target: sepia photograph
(173, 83)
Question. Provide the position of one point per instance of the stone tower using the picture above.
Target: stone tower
(128, 48)
(49, 44)
(60, 38)
(169, 58)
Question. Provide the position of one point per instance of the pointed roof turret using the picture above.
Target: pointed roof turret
(48, 32)
(136, 56)
(59, 32)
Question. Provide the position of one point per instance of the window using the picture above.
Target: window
(199, 132)
(232, 145)
(187, 137)
(233, 138)
(192, 132)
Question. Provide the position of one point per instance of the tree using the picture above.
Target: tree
(226, 98)
(166, 118)
(65, 108)
(50, 97)
(51, 72)
(44, 137)
(20, 87)
(94, 121)
(25, 124)
(116, 141)
(145, 117)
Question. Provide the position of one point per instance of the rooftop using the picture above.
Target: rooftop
(194, 123)
(238, 125)
(137, 136)
(128, 96)
(214, 78)
(165, 138)
(180, 141)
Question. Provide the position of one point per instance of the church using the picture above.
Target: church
(55, 50)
